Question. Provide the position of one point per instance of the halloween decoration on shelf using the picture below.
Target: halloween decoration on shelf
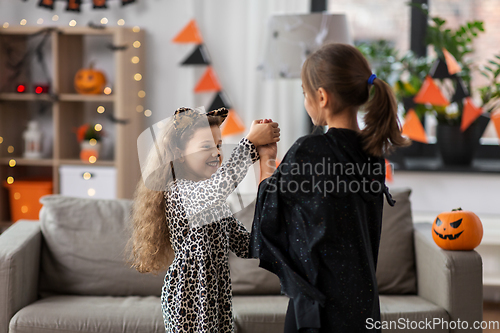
(208, 82)
(457, 230)
(89, 137)
(74, 5)
(90, 81)
(18, 64)
(33, 141)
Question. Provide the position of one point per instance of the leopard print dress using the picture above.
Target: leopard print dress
(196, 295)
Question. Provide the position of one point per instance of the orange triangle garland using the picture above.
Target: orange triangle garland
(208, 82)
(388, 171)
(430, 94)
(451, 63)
(232, 124)
(495, 118)
(470, 113)
(413, 129)
(190, 34)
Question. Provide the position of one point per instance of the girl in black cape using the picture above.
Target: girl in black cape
(318, 216)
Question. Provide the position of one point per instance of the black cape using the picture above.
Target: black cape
(317, 226)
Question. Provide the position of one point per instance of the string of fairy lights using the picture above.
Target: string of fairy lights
(107, 90)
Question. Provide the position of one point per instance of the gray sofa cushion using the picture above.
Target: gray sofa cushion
(246, 275)
(413, 308)
(263, 314)
(70, 314)
(396, 272)
(84, 249)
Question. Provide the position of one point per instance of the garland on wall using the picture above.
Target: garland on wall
(431, 93)
(208, 82)
(74, 5)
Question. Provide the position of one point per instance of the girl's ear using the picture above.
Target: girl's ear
(322, 97)
(178, 155)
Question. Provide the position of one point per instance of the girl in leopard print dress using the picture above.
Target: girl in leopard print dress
(181, 219)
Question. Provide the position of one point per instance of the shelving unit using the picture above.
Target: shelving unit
(68, 109)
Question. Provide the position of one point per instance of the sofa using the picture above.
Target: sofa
(67, 273)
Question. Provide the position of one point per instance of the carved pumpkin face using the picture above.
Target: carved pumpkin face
(90, 81)
(457, 230)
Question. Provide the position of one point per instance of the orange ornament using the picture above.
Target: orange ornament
(90, 81)
(457, 230)
(89, 155)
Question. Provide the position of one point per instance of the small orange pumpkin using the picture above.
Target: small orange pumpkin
(89, 81)
(457, 230)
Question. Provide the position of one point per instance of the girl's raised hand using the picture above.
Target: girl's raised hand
(263, 131)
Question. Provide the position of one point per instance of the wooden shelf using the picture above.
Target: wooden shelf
(25, 97)
(28, 161)
(79, 162)
(86, 98)
(76, 30)
(67, 49)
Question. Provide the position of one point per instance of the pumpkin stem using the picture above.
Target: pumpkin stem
(91, 65)
(456, 209)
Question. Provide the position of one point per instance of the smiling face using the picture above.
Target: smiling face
(202, 155)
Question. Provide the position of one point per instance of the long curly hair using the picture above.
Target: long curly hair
(150, 248)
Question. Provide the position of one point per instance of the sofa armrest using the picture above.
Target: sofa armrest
(451, 279)
(19, 265)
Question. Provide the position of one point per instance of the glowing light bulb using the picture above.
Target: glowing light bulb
(10, 180)
(98, 127)
(135, 60)
(136, 44)
(17, 196)
(92, 159)
(86, 175)
(104, 20)
(91, 192)
(1, 139)
(121, 22)
(148, 113)
(39, 21)
(55, 18)
(139, 108)
(101, 109)
(141, 94)
(12, 163)
(92, 142)
(137, 77)
(136, 29)
(6, 25)
(107, 90)
(23, 22)
(10, 149)
(72, 23)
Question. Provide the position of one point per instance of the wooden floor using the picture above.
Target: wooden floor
(491, 312)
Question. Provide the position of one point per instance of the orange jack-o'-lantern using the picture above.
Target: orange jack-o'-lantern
(457, 230)
(90, 81)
